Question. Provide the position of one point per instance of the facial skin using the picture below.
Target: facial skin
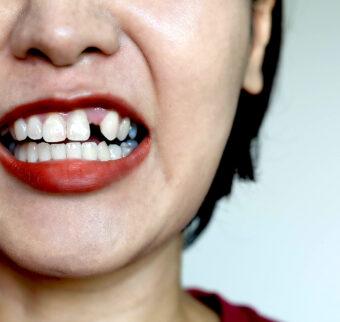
(183, 64)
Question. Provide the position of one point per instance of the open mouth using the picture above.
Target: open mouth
(72, 145)
(85, 134)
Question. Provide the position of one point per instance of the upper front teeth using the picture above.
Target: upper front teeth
(75, 126)
(78, 127)
(54, 128)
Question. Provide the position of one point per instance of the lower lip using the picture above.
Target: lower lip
(73, 176)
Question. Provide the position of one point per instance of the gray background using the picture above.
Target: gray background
(275, 243)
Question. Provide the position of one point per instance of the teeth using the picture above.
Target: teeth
(123, 129)
(115, 151)
(44, 152)
(103, 152)
(126, 149)
(133, 131)
(32, 152)
(74, 126)
(132, 143)
(20, 130)
(73, 150)
(109, 125)
(17, 152)
(21, 152)
(34, 128)
(54, 128)
(89, 151)
(58, 151)
(78, 127)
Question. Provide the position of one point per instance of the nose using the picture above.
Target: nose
(62, 31)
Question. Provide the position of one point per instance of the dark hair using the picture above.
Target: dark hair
(237, 158)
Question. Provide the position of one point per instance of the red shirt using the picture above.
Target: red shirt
(227, 311)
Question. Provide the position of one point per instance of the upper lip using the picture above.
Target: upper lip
(57, 104)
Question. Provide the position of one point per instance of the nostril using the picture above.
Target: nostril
(90, 50)
(34, 52)
(60, 59)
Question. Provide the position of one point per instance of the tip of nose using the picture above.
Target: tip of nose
(63, 41)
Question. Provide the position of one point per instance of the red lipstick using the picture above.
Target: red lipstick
(73, 176)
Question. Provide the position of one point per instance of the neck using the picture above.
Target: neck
(146, 290)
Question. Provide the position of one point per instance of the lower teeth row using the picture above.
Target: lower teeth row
(34, 152)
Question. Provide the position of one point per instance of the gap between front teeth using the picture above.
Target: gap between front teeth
(33, 152)
(75, 126)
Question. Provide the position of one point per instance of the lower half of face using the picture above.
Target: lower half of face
(195, 54)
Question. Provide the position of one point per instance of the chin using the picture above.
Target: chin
(65, 255)
(56, 263)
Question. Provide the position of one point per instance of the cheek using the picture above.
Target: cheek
(198, 83)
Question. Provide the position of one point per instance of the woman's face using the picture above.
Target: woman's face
(180, 63)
